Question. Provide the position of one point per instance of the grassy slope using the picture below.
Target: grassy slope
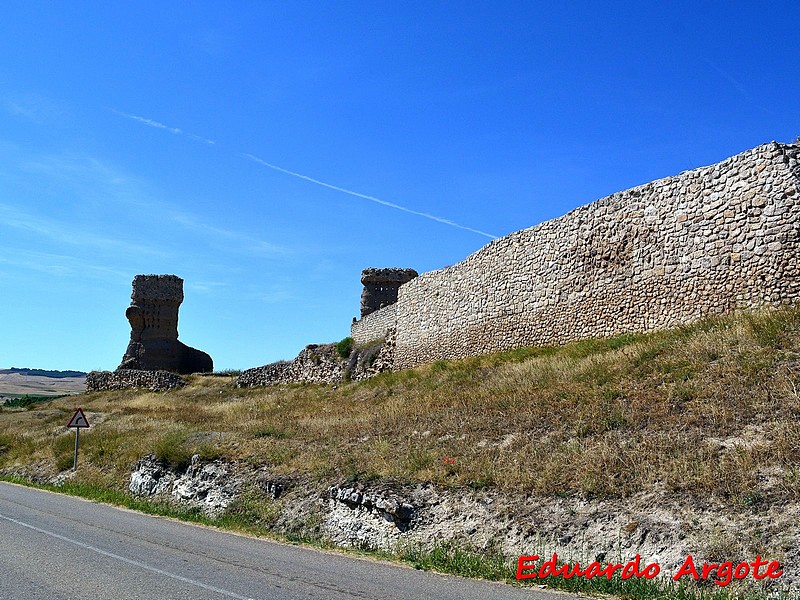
(705, 409)
(708, 410)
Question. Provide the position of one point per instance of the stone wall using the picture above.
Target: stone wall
(316, 363)
(374, 325)
(271, 374)
(665, 253)
(322, 364)
(124, 379)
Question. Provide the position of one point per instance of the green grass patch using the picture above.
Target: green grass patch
(269, 431)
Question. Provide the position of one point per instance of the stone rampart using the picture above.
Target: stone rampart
(375, 325)
(124, 379)
(705, 241)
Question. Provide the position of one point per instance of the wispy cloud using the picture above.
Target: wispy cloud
(448, 222)
(15, 108)
(68, 233)
(34, 107)
(206, 287)
(249, 243)
(59, 264)
(87, 178)
(115, 194)
(198, 138)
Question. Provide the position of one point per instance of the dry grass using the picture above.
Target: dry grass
(710, 408)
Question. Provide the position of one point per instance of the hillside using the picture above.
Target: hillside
(683, 441)
(16, 382)
(42, 372)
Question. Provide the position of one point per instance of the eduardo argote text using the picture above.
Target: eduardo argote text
(720, 573)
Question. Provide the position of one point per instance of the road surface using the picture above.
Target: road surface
(56, 547)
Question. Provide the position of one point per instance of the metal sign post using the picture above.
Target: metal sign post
(78, 421)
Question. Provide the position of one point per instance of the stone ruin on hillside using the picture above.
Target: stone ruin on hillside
(153, 315)
(325, 363)
(380, 287)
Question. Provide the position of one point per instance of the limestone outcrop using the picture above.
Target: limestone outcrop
(153, 315)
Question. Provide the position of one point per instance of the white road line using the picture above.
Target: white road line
(135, 563)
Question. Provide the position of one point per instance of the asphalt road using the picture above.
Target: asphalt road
(55, 547)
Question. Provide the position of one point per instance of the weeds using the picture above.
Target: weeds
(172, 450)
(345, 347)
(699, 410)
(64, 452)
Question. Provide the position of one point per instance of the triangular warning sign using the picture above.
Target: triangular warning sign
(78, 419)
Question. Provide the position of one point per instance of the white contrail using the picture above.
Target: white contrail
(740, 88)
(175, 130)
(366, 197)
(149, 122)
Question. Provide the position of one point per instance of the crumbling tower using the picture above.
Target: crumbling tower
(380, 287)
(153, 315)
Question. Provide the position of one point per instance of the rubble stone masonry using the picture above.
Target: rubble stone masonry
(375, 325)
(705, 241)
(124, 379)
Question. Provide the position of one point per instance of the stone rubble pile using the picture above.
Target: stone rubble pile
(321, 363)
(123, 379)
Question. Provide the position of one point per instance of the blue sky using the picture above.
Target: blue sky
(194, 138)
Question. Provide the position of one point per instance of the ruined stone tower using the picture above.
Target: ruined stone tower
(153, 315)
(380, 287)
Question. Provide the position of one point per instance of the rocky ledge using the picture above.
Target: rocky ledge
(661, 526)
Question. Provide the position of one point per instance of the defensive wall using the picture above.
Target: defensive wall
(705, 241)
(375, 325)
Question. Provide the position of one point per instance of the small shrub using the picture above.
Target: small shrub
(251, 511)
(6, 442)
(64, 452)
(419, 459)
(172, 451)
(771, 330)
(28, 401)
(439, 366)
(269, 431)
(345, 347)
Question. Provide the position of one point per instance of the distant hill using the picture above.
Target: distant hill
(42, 373)
(15, 382)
